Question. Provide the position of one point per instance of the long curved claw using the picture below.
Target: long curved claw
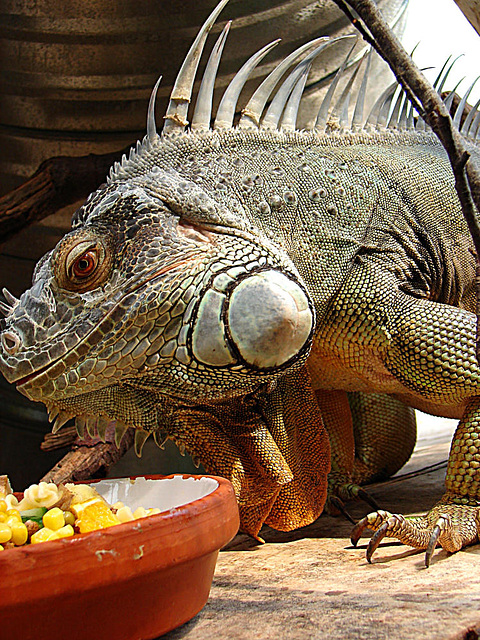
(372, 520)
(338, 504)
(375, 540)
(366, 497)
(432, 543)
(340, 485)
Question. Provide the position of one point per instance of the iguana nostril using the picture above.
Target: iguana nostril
(10, 342)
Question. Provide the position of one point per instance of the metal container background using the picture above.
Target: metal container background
(72, 71)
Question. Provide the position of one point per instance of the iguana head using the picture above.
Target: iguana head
(143, 293)
(166, 303)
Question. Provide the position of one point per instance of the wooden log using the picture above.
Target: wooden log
(90, 458)
(57, 183)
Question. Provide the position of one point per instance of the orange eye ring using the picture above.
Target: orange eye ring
(82, 261)
(85, 265)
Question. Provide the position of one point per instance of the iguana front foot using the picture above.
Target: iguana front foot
(453, 523)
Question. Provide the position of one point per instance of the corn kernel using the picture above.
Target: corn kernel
(5, 532)
(140, 512)
(3, 516)
(13, 513)
(11, 521)
(19, 533)
(118, 505)
(43, 535)
(3, 505)
(54, 519)
(153, 511)
(1, 547)
(65, 532)
(124, 514)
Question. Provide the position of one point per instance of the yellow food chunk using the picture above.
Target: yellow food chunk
(124, 514)
(3, 506)
(3, 516)
(43, 535)
(94, 514)
(5, 533)
(13, 513)
(54, 519)
(1, 547)
(65, 532)
(19, 533)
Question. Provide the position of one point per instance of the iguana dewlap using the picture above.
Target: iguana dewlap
(195, 284)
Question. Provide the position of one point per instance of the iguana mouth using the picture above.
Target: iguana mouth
(26, 379)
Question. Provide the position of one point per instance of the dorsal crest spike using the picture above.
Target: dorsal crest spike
(289, 117)
(203, 107)
(394, 120)
(357, 120)
(451, 96)
(177, 110)
(228, 103)
(461, 107)
(375, 110)
(467, 125)
(275, 110)
(440, 81)
(475, 128)
(252, 113)
(325, 106)
(151, 126)
(340, 110)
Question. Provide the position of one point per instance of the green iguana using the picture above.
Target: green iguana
(229, 285)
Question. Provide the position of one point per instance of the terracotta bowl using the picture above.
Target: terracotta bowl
(133, 581)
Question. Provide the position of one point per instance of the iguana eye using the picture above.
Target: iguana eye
(85, 265)
(82, 264)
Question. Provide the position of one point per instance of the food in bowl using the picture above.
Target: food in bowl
(48, 512)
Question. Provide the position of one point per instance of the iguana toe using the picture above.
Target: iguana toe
(337, 504)
(340, 490)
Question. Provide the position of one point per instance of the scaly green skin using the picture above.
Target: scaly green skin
(367, 229)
